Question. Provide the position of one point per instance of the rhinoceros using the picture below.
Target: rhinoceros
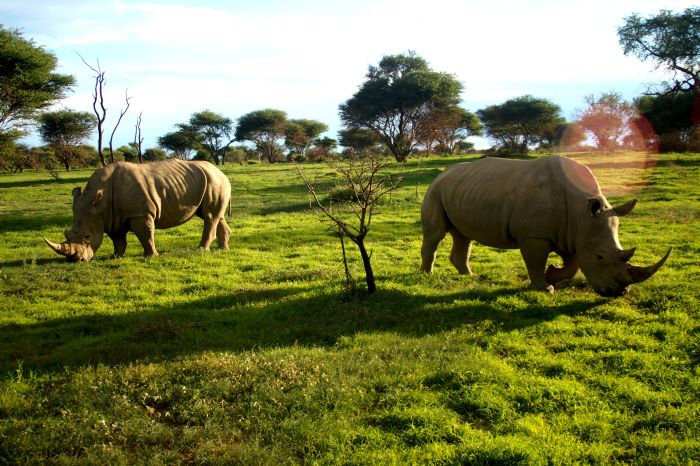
(549, 204)
(123, 197)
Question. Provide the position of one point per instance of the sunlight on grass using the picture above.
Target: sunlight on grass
(256, 356)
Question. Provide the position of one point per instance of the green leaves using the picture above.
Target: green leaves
(668, 40)
(396, 98)
(28, 82)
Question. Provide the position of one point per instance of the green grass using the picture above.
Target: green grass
(255, 355)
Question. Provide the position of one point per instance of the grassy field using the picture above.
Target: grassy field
(256, 356)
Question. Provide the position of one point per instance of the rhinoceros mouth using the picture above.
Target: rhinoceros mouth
(611, 292)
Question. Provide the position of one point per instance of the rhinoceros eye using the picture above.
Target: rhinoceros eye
(600, 257)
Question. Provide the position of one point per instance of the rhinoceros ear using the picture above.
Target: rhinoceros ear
(625, 208)
(76, 192)
(594, 206)
(98, 197)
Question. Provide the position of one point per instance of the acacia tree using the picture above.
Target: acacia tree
(671, 42)
(28, 81)
(300, 134)
(607, 119)
(519, 123)
(568, 136)
(674, 119)
(215, 133)
(359, 140)
(352, 213)
(265, 128)
(182, 143)
(396, 99)
(64, 131)
(455, 124)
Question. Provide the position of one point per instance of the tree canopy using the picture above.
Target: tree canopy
(215, 133)
(454, 124)
(608, 119)
(674, 119)
(396, 99)
(64, 131)
(28, 81)
(264, 128)
(182, 142)
(520, 122)
(301, 134)
(670, 41)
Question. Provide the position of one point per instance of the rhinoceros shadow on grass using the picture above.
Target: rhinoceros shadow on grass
(123, 197)
(549, 204)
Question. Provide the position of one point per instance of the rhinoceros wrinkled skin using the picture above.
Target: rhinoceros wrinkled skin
(123, 197)
(549, 204)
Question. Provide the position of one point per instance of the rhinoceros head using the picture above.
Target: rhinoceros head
(603, 261)
(85, 237)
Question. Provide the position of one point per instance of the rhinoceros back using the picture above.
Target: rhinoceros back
(170, 191)
(497, 202)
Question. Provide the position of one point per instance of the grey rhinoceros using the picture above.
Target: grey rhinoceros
(549, 204)
(123, 197)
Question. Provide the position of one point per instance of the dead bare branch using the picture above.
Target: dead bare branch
(119, 120)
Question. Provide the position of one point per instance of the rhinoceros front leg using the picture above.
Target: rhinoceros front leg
(535, 253)
(144, 228)
(555, 273)
(119, 241)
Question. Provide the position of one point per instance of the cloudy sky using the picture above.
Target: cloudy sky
(308, 56)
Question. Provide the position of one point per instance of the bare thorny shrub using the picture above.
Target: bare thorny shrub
(350, 209)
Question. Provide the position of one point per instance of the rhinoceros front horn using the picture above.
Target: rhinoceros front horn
(639, 274)
(64, 249)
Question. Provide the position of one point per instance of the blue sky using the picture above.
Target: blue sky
(308, 56)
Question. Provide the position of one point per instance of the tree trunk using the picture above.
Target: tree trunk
(369, 275)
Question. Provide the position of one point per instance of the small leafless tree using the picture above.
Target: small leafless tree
(138, 139)
(98, 106)
(351, 210)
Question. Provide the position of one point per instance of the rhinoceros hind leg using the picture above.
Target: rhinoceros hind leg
(434, 224)
(223, 233)
(461, 250)
(555, 273)
(535, 253)
(208, 233)
(427, 252)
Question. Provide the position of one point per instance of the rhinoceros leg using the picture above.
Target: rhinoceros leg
(461, 250)
(208, 233)
(223, 233)
(535, 253)
(434, 224)
(143, 228)
(433, 233)
(555, 273)
(119, 241)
